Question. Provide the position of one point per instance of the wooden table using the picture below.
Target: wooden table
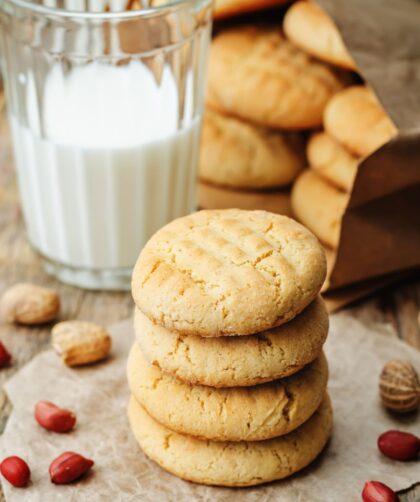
(398, 305)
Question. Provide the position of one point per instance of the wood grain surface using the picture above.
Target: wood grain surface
(398, 306)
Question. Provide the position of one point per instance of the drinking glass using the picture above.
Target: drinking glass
(105, 107)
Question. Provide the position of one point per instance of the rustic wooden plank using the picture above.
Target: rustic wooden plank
(398, 306)
(407, 300)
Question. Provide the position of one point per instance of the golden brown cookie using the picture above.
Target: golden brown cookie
(228, 272)
(332, 161)
(238, 154)
(356, 119)
(312, 29)
(230, 414)
(234, 361)
(320, 206)
(229, 8)
(215, 197)
(231, 463)
(259, 76)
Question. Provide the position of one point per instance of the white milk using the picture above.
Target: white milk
(113, 170)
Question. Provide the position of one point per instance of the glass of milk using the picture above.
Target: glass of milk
(105, 106)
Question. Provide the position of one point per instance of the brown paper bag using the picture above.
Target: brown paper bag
(380, 232)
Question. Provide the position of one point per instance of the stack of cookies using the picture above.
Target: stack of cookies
(263, 90)
(355, 125)
(227, 374)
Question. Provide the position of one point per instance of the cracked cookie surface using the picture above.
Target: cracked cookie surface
(231, 463)
(232, 360)
(239, 154)
(230, 414)
(258, 75)
(228, 272)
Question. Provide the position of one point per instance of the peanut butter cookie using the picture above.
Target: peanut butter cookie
(259, 76)
(356, 119)
(320, 206)
(243, 463)
(312, 29)
(231, 414)
(239, 154)
(332, 161)
(236, 361)
(228, 272)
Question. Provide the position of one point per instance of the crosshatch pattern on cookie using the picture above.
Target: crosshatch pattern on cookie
(258, 75)
(229, 272)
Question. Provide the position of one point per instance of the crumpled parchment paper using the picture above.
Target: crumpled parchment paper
(99, 395)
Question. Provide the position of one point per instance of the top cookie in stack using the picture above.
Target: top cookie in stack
(223, 273)
(227, 375)
(355, 125)
(262, 90)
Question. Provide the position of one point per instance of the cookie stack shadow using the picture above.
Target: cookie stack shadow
(227, 374)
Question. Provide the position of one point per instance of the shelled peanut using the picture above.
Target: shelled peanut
(29, 304)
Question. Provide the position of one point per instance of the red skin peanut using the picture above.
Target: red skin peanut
(68, 467)
(16, 471)
(5, 356)
(53, 418)
(375, 491)
(399, 445)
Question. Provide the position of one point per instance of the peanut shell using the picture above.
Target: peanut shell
(80, 342)
(399, 386)
(29, 304)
